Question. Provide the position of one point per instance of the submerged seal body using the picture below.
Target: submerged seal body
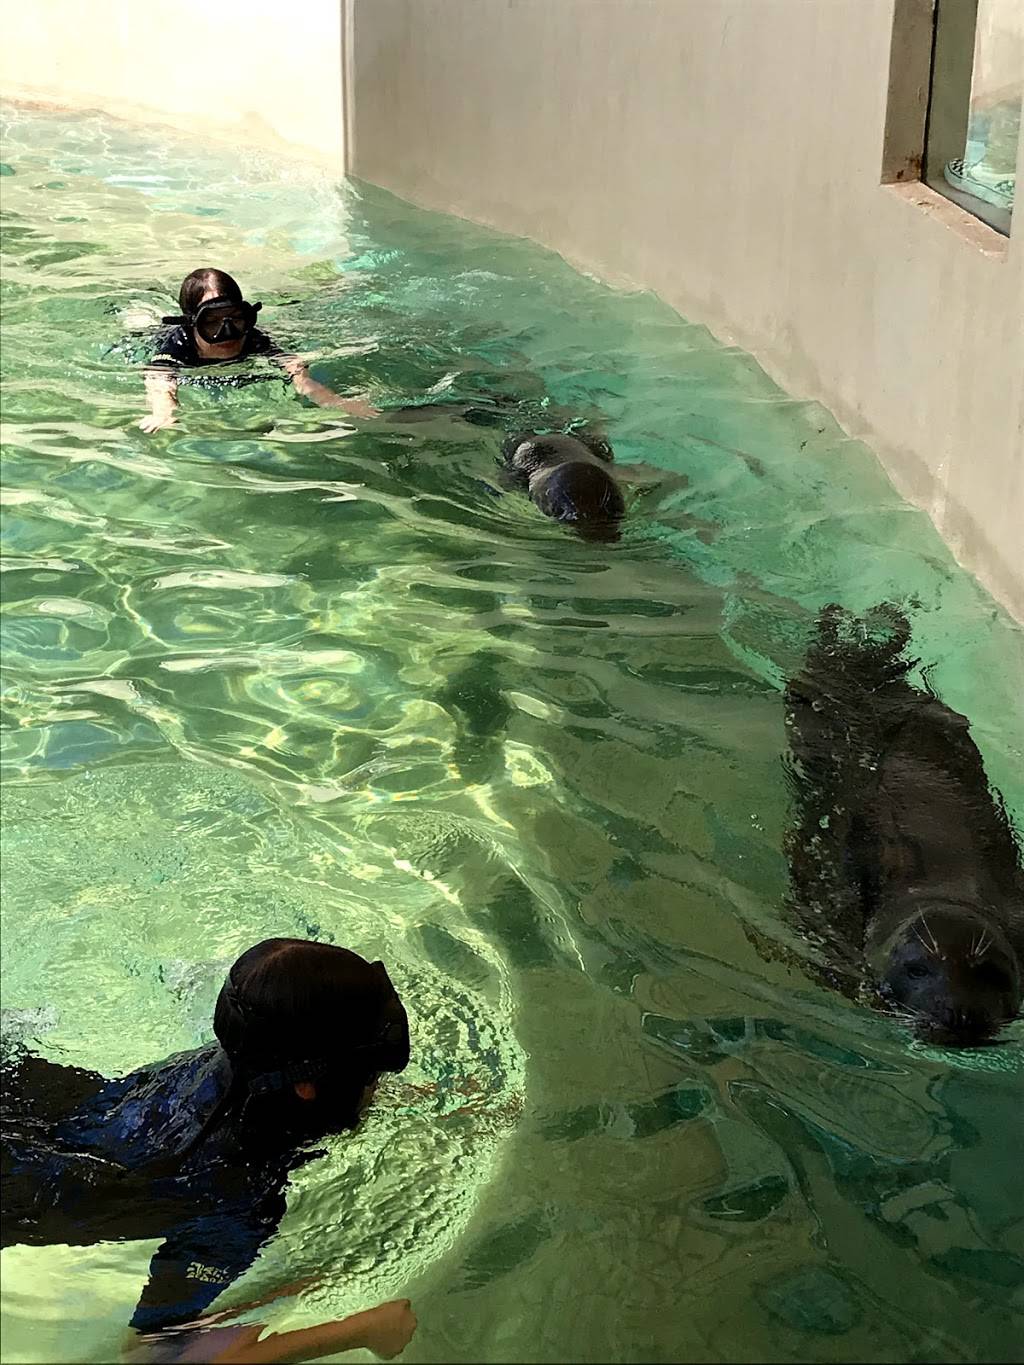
(903, 863)
(567, 477)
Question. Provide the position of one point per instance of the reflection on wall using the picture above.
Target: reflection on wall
(233, 68)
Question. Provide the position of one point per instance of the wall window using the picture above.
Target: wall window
(974, 108)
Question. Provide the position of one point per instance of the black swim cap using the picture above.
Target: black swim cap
(293, 1010)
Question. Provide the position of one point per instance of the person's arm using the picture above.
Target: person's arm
(162, 396)
(385, 1330)
(320, 394)
(202, 1256)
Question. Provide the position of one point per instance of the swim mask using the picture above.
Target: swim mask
(220, 320)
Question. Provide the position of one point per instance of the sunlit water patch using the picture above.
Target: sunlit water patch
(110, 874)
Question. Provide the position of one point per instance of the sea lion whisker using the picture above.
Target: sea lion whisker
(926, 926)
(910, 1012)
(923, 942)
(912, 1020)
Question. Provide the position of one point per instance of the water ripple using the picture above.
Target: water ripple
(272, 671)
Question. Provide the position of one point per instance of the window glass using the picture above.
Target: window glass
(975, 107)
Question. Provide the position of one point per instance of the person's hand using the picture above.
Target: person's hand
(388, 1328)
(156, 421)
(356, 407)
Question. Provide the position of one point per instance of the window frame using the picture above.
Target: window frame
(931, 71)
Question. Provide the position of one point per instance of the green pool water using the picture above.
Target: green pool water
(266, 672)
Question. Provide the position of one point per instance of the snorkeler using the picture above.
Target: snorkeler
(216, 325)
(198, 1149)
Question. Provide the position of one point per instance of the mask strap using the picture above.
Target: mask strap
(189, 319)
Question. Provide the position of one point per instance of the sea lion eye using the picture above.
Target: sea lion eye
(916, 970)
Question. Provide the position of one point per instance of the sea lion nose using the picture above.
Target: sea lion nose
(959, 1025)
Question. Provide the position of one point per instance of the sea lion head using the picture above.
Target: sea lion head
(952, 970)
(527, 452)
(582, 494)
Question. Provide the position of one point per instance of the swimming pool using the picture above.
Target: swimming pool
(266, 673)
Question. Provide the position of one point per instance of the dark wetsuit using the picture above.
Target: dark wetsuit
(173, 349)
(176, 346)
(155, 1154)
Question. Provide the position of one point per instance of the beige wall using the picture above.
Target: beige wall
(727, 154)
(257, 70)
(999, 51)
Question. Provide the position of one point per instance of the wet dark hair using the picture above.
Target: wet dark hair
(200, 282)
(293, 1010)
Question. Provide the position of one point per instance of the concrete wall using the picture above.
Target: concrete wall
(728, 154)
(999, 51)
(255, 70)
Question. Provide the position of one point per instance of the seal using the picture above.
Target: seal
(567, 476)
(903, 862)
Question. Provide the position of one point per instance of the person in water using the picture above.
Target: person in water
(198, 1149)
(217, 326)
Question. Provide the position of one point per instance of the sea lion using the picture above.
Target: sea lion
(902, 860)
(567, 476)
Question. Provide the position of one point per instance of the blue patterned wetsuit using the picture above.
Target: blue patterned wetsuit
(154, 1154)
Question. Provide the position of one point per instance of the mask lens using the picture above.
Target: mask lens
(222, 322)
